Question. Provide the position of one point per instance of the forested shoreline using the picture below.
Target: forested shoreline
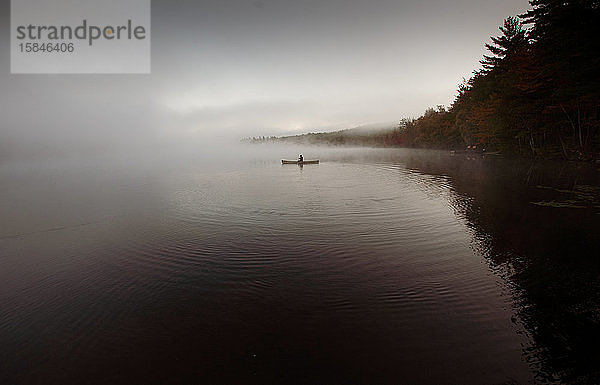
(537, 93)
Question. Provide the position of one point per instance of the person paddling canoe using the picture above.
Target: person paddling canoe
(300, 158)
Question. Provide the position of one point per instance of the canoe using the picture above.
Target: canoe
(283, 161)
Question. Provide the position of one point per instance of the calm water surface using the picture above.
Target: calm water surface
(375, 266)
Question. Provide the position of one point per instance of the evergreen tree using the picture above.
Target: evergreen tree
(510, 43)
(567, 53)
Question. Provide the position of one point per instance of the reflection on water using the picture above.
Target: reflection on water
(375, 266)
(539, 225)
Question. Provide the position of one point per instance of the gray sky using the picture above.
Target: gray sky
(232, 68)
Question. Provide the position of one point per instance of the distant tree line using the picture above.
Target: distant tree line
(350, 137)
(537, 92)
(258, 139)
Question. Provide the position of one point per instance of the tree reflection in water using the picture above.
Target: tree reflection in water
(538, 225)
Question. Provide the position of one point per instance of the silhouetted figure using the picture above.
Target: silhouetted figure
(300, 158)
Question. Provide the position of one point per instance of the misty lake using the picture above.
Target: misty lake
(375, 266)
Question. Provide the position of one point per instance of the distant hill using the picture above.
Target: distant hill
(364, 135)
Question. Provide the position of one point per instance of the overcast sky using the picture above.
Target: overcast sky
(232, 68)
